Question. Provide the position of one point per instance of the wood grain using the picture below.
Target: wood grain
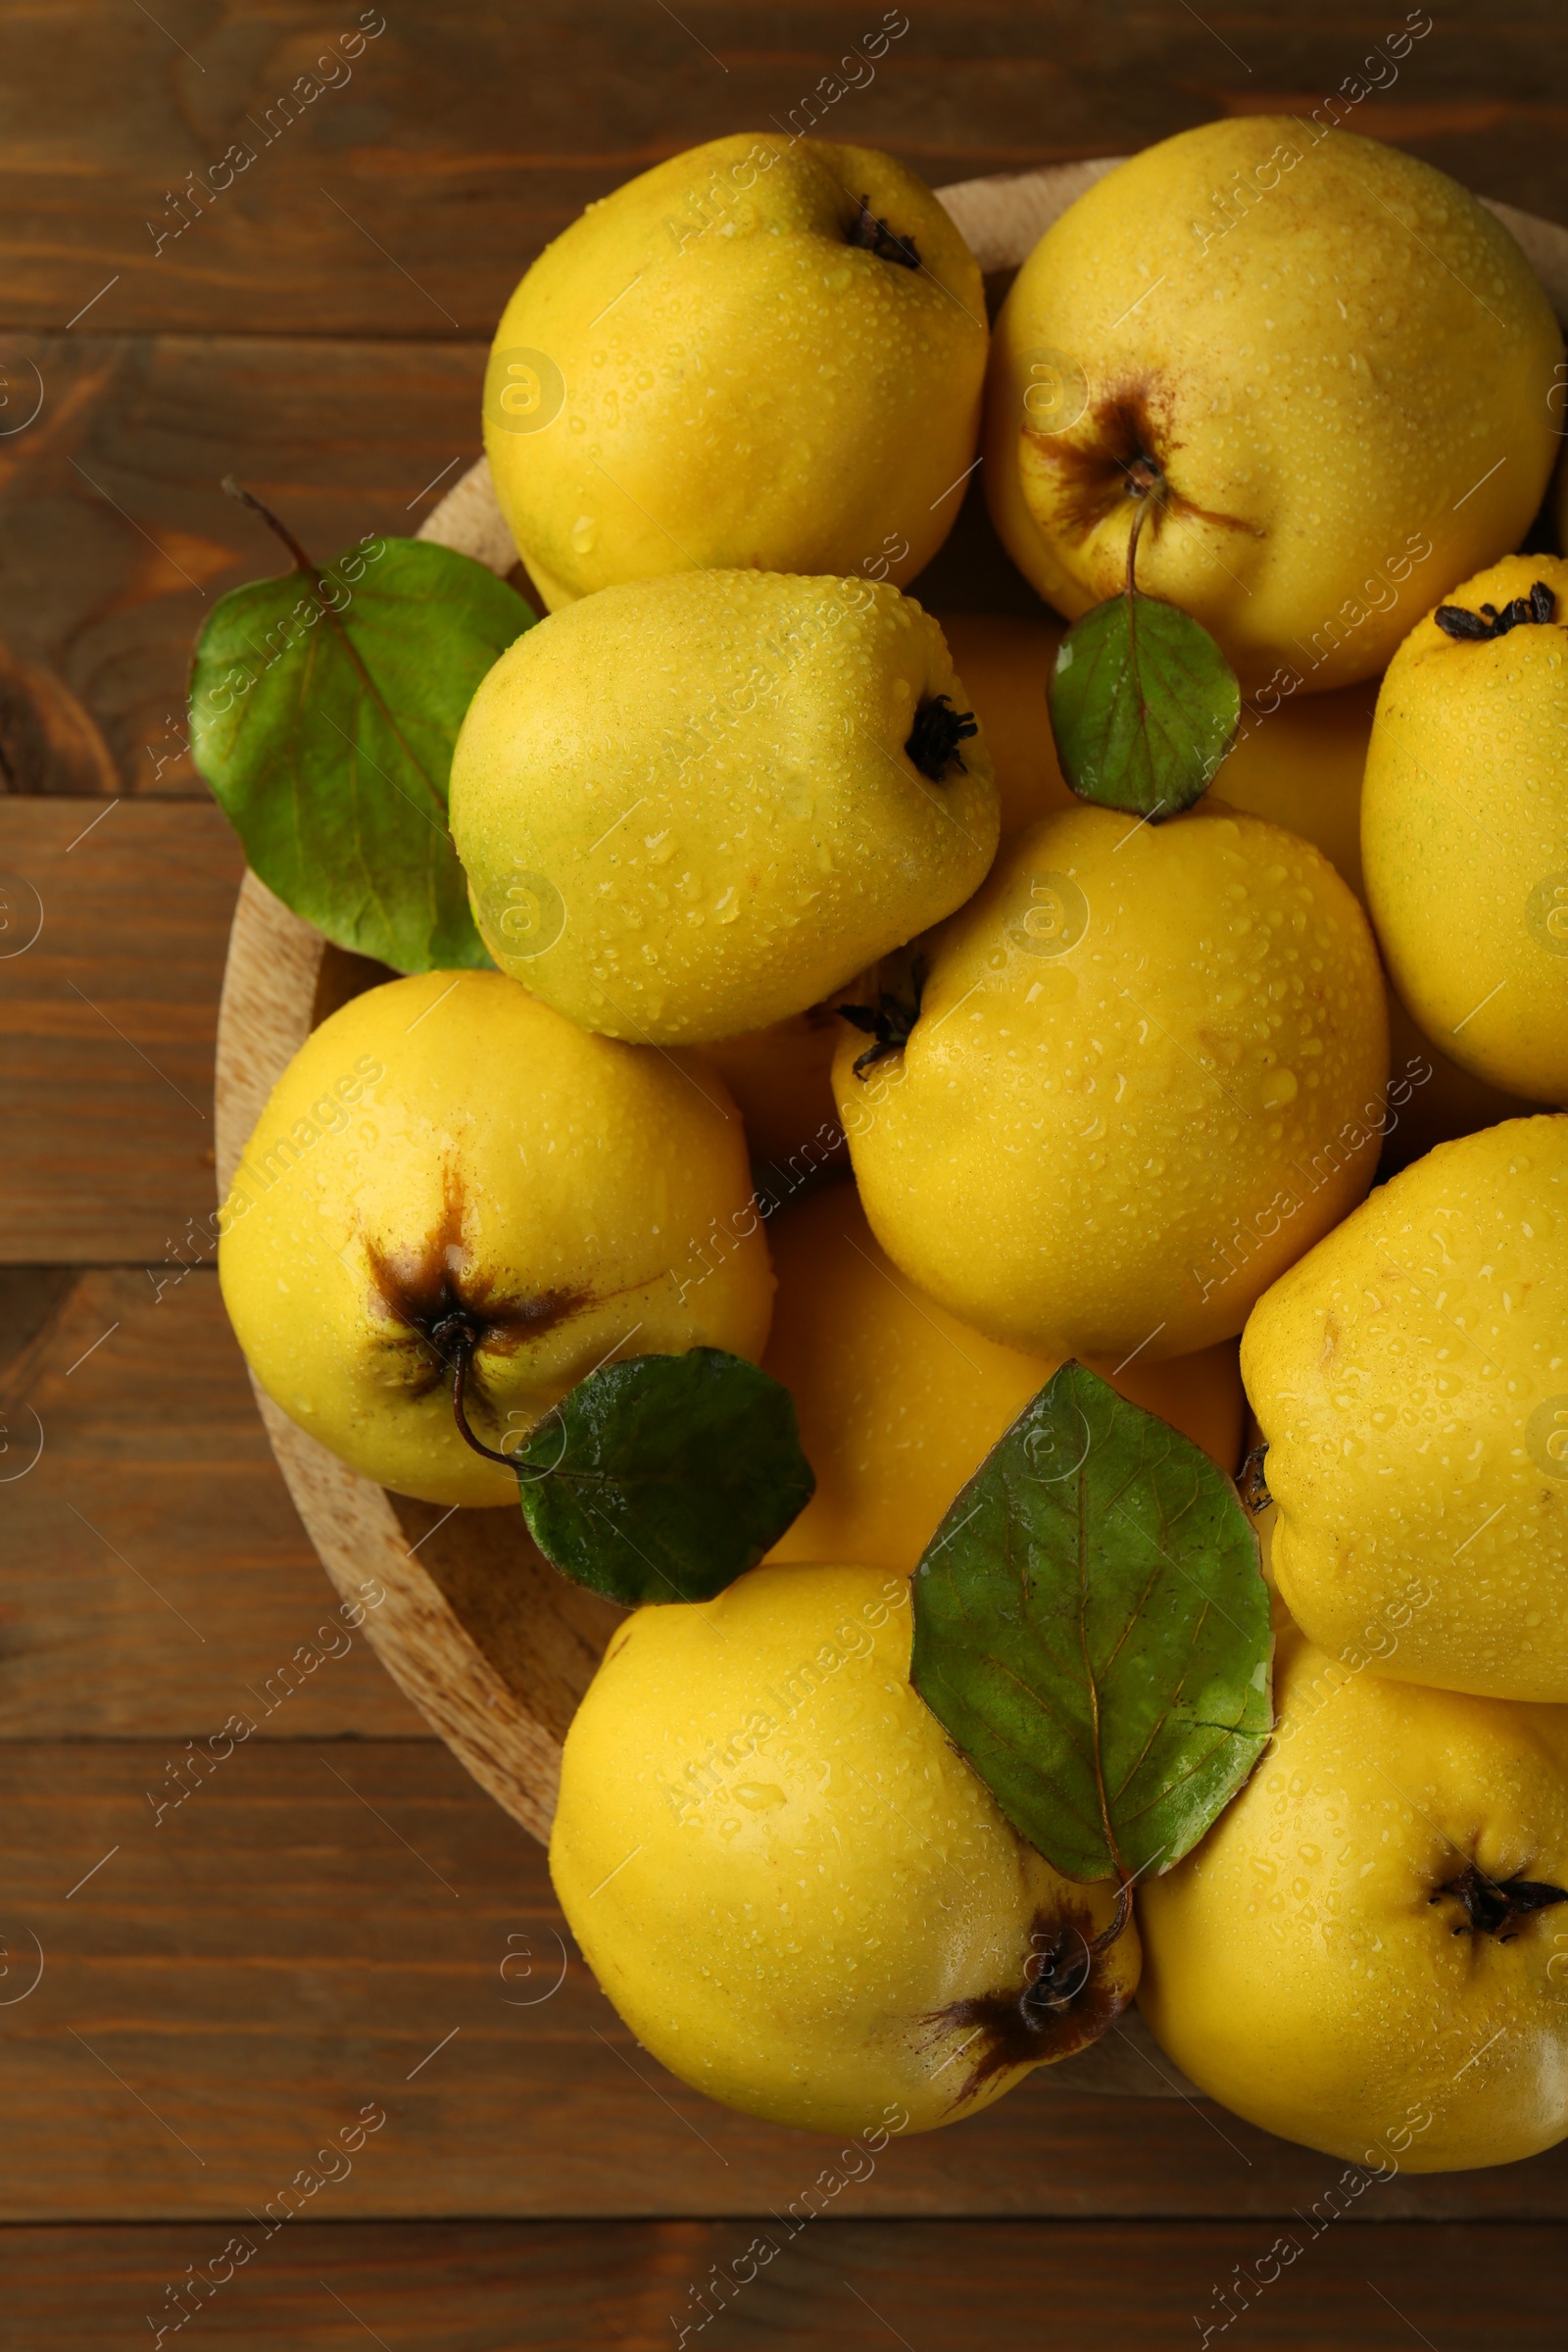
(986, 2286)
(303, 1934)
(107, 1022)
(407, 201)
(156, 1576)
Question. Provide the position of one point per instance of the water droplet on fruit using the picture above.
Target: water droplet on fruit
(759, 1797)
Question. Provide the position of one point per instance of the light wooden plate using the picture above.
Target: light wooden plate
(493, 1648)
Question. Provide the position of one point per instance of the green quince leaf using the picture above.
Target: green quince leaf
(665, 1477)
(323, 709)
(1092, 1627)
(1143, 705)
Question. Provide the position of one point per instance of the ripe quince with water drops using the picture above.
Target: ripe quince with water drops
(1411, 1376)
(765, 352)
(1464, 825)
(447, 1165)
(1369, 1950)
(690, 807)
(797, 1892)
(1133, 1079)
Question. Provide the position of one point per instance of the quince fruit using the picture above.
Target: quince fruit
(1369, 1950)
(1410, 1377)
(695, 805)
(900, 1402)
(1464, 825)
(1145, 1072)
(1324, 365)
(760, 354)
(447, 1163)
(793, 1888)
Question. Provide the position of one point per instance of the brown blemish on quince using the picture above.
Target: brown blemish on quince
(1067, 1999)
(1122, 453)
(434, 1292)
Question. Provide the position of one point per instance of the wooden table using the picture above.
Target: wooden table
(244, 1959)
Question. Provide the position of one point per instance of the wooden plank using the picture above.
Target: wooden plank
(156, 1578)
(406, 200)
(107, 1022)
(984, 2286)
(317, 1928)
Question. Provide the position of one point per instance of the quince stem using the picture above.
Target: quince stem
(1144, 482)
(334, 621)
(459, 1337)
(1118, 1918)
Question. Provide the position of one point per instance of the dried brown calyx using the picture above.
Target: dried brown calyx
(873, 236)
(1067, 2001)
(891, 1019)
(1539, 606)
(1253, 1482)
(1121, 451)
(933, 741)
(1495, 1906)
(445, 1309)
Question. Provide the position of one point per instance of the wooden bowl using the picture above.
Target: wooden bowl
(493, 1648)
